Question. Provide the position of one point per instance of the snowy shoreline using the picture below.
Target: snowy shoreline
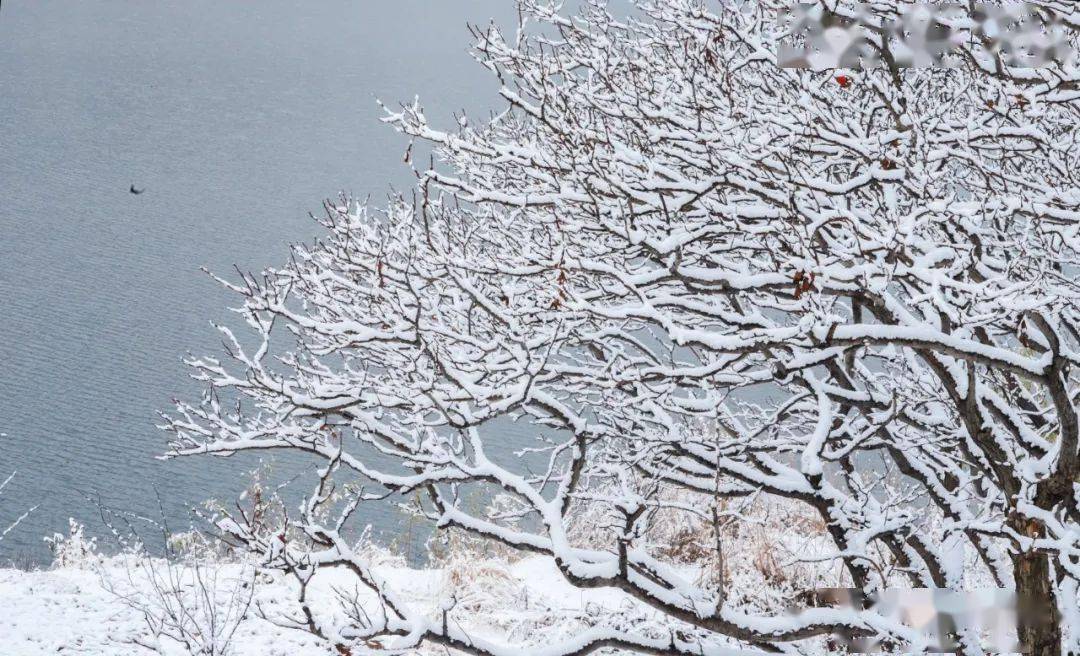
(69, 610)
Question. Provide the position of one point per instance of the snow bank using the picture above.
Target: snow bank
(71, 610)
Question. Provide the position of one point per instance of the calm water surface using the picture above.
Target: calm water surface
(238, 118)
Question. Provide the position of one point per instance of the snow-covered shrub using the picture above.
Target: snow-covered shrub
(474, 573)
(188, 608)
(197, 546)
(191, 589)
(74, 549)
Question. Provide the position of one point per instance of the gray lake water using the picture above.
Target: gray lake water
(238, 118)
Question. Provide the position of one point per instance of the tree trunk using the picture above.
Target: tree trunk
(1038, 619)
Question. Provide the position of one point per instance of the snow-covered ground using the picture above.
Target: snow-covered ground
(97, 606)
(72, 610)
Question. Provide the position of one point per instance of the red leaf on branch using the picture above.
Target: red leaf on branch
(804, 282)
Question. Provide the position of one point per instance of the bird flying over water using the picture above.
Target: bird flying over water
(136, 191)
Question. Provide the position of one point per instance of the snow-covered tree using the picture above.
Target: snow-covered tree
(686, 268)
